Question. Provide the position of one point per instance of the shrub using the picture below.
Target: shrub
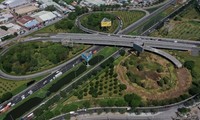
(122, 52)
(140, 67)
(189, 64)
(122, 86)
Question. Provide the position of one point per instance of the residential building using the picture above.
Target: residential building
(3, 34)
(15, 3)
(12, 28)
(5, 17)
(27, 22)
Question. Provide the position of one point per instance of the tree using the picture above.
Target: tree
(63, 94)
(120, 102)
(86, 104)
(72, 16)
(133, 100)
(122, 87)
(6, 96)
(140, 67)
(189, 64)
(15, 34)
(50, 8)
(4, 28)
(122, 52)
(48, 114)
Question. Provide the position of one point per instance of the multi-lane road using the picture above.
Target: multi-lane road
(22, 95)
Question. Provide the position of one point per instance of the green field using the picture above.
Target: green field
(186, 25)
(10, 86)
(140, 29)
(32, 57)
(129, 17)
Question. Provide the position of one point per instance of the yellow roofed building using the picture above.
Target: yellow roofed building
(106, 22)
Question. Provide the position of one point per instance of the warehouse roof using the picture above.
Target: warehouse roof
(25, 19)
(44, 15)
(26, 9)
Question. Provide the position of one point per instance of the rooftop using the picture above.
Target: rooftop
(3, 33)
(44, 15)
(26, 9)
(106, 20)
(25, 19)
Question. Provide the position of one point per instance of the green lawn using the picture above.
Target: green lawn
(187, 26)
(10, 86)
(129, 17)
(52, 29)
(140, 29)
(32, 57)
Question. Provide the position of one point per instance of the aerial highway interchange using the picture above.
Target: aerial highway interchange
(97, 38)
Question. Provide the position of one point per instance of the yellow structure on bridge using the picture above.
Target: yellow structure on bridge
(106, 22)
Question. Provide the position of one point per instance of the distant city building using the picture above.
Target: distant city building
(15, 3)
(4, 17)
(25, 9)
(28, 22)
(106, 22)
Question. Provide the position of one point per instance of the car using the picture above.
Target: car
(30, 92)
(23, 97)
(13, 104)
(44, 82)
(9, 104)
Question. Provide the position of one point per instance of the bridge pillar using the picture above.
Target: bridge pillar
(138, 47)
(67, 42)
(195, 52)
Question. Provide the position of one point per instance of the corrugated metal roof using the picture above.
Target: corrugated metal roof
(45, 15)
(31, 23)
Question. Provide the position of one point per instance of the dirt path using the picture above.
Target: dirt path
(183, 83)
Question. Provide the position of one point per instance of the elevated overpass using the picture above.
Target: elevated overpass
(149, 44)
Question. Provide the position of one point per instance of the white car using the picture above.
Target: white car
(13, 104)
(23, 97)
(30, 92)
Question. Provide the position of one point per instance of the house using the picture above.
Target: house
(15, 3)
(5, 17)
(27, 22)
(2, 6)
(71, 7)
(44, 16)
(13, 28)
(25, 9)
(57, 14)
(105, 22)
(46, 3)
(3, 34)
